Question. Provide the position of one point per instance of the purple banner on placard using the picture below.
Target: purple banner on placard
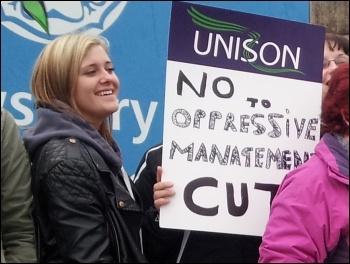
(245, 42)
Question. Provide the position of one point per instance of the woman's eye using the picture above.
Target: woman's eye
(341, 60)
(90, 72)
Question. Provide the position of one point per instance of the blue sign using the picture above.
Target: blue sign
(138, 35)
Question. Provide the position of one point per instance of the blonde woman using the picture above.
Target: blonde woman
(85, 208)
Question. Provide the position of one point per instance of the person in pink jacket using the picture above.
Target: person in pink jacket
(309, 218)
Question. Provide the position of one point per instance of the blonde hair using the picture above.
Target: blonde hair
(56, 71)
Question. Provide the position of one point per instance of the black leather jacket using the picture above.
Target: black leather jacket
(83, 213)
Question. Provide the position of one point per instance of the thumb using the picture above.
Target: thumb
(159, 173)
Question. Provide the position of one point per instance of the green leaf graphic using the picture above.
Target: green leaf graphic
(209, 23)
(36, 10)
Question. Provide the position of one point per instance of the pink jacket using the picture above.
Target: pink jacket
(310, 212)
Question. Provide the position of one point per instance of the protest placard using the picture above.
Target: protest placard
(242, 108)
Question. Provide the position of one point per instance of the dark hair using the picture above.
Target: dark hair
(337, 41)
(335, 105)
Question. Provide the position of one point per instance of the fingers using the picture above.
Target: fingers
(159, 187)
(162, 192)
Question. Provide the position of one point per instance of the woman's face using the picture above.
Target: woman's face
(96, 93)
(331, 60)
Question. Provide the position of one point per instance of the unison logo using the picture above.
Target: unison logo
(42, 21)
(246, 48)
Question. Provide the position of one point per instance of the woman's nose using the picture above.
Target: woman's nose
(106, 77)
(332, 65)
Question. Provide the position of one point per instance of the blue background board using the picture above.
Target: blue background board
(139, 46)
